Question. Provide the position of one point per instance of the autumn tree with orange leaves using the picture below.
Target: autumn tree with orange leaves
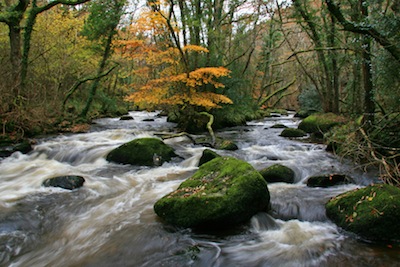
(166, 75)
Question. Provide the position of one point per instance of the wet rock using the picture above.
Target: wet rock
(223, 192)
(226, 145)
(126, 118)
(66, 182)
(320, 122)
(278, 173)
(148, 120)
(372, 212)
(8, 147)
(328, 180)
(278, 126)
(143, 152)
(221, 144)
(207, 155)
(291, 132)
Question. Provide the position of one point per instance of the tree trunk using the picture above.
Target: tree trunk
(334, 67)
(15, 58)
(369, 105)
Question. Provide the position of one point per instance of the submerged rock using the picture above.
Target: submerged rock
(142, 151)
(328, 180)
(66, 182)
(372, 212)
(207, 155)
(278, 173)
(223, 192)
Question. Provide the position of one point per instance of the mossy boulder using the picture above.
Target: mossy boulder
(372, 212)
(278, 126)
(143, 152)
(291, 132)
(328, 180)
(67, 182)
(278, 173)
(223, 192)
(226, 145)
(207, 155)
(220, 143)
(305, 113)
(321, 122)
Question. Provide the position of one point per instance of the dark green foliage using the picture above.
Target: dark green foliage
(320, 122)
(66, 182)
(328, 180)
(223, 192)
(309, 99)
(143, 151)
(278, 173)
(104, 16)
(291, 132)
(207, 155)
(372, 212)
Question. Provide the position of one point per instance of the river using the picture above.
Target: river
(110, 220)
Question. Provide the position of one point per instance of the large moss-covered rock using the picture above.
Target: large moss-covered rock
(142, 151)
(372, 212)
(225, 191)
(320, 122)
(291, 132)
(69, 182)
(207, 155)
(278, 173)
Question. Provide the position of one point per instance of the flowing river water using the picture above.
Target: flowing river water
(110, 220)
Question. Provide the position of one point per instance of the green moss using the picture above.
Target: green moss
(142, 152)
(207, 155)
(291, 132)
(224, 191)
(320, 122)
(278, 126)
(372, 212)
(278, 173)
(278, 111)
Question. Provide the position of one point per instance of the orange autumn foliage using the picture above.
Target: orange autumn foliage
(182, 88)
(160, 76)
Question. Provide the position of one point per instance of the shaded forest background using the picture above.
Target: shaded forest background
(64, 62)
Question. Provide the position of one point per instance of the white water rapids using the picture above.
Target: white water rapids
(110, 220)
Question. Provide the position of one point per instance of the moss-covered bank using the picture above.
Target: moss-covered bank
(320, 122)
(372, 212)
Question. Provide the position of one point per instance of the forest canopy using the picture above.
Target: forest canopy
(68, 61)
